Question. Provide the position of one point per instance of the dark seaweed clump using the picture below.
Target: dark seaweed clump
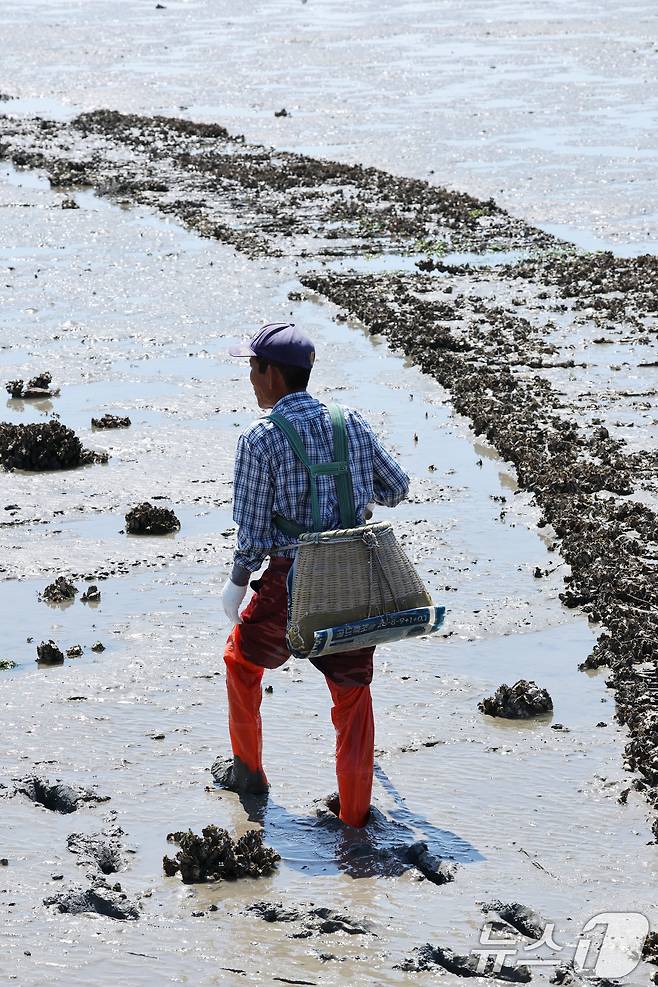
(145, 519)
(520, 701)
(110, 421)
(43, 446)
(214, 856)
(49, 652)
(59, 591)
(38, 387)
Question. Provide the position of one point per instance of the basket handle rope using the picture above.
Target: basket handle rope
(338, 468)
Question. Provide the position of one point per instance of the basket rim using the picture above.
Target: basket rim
(317, 537)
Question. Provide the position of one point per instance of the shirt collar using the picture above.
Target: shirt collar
(296, 400)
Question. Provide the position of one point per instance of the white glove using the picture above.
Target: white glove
(232, 597)
(369, 511)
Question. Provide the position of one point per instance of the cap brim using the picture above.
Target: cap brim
(243, 349)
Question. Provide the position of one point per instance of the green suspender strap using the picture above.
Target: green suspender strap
(339, 468)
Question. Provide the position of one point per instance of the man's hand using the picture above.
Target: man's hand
(232, 597)
(369, 511)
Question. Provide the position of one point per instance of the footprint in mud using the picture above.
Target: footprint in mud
(521, 918)
(313, 919)
(110, 902)
(388, 846)
(431, 957)
(101, 850)
(56, 797)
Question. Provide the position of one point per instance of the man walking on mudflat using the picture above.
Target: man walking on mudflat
(272, 506)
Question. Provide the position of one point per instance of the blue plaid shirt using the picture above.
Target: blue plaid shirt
(269, 478)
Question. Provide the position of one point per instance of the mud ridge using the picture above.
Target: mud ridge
(579, 477)
(252, 196)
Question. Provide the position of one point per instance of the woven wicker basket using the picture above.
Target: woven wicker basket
(346, 575)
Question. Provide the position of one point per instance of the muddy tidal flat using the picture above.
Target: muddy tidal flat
(513, 371)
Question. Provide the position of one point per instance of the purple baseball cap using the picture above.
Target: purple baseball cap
(280, 342)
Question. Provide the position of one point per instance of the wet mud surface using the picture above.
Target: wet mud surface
(468, 809)
(597, 492)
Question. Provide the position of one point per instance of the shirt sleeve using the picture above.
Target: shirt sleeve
(390, 482)
(253, 501)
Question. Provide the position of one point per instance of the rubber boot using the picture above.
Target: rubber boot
(355, 750)
(243, 686)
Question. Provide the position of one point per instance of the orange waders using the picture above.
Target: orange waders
(259, 642)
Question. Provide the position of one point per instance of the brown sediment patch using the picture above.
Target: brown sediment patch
(43, 446)
(494, 361)
(520, 701)
(215, 856)
(145, 519)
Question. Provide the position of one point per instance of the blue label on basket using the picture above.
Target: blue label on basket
(372, 631)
